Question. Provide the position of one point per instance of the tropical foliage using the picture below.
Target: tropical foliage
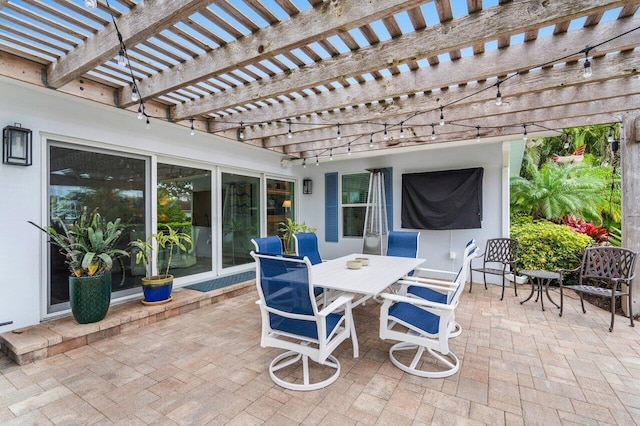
(546, 245)
(88, 244)
(289, 228)
(149, 249)
(597, 233)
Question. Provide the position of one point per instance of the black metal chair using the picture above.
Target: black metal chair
(603, 273)
(503, 251)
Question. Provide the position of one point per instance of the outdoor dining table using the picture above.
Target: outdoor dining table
(367, 281)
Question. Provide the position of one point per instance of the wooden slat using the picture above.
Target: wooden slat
(238, 15)
(628, 10)
(288, 7)
(44, 20)
(264, 12)
(474, 6)
(503, 42)
(144, 21)
(330, 48)
(176, 44)
(561, 27)
(392, 26)
(531, 35)
(66, 17)
(204, 31)
(38, 40)
(445, 14)
(191, 38)
(311, 53)
(36, 28)
(369, 34)
(351, 42)
(218, 21)
(430, 41)
(417, 18)
(306, 27)
(593, 19)
(83, 11)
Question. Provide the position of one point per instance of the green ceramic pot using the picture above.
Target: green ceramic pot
(90, 297)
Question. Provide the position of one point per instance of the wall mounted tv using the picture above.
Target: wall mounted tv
(449, 199)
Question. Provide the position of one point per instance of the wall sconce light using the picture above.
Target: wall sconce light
(307, 186)
(16, 145)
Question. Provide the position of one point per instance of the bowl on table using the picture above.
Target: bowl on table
(354, 264)
(363, 260)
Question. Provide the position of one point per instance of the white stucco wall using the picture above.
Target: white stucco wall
(22, 189)
(58, 116)
(434, 245)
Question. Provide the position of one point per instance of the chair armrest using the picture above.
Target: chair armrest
(433, 284)
(418, 302)
(333, 306)
(437, 271)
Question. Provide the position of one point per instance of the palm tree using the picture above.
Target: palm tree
(555, 190)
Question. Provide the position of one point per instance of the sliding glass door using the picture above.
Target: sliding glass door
(240, 215)
(114, 183)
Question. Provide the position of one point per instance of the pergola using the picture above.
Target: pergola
(313, 78)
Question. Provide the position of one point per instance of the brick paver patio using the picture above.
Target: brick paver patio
(519, 366)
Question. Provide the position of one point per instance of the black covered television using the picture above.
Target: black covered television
(449, 199)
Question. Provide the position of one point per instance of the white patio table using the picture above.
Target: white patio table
(368, 281)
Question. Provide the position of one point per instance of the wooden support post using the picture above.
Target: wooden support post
(630, 169)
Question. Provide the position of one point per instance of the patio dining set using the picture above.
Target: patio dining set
(306, 303)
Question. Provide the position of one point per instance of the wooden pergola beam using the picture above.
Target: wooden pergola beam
(302, 29)
(144, 20)
(431, 41)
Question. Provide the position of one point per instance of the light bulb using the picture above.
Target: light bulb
(499, 98)
(349, 149)
(371, 141)
(441, 116)
(140, 114)
(610, 136)
(477, 133)
(401, 131)
(241, 134)
(331, 154)
(338, 135)
(587, 69)
(304, 163)
(433, 133)
(289, 134)
(91, 4)
(317, 161)
(386, 136)
(193, 130)
(135, 97)
(524, 136)
(122, 60)
(148, 123)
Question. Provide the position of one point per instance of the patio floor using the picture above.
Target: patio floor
(519, 366)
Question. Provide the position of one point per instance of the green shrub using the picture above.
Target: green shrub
(545, 245)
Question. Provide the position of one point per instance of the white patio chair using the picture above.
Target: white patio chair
(291, 320)
(424, 326)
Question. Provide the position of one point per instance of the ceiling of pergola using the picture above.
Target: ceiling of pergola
(267, 66)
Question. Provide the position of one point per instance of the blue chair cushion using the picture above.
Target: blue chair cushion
(418, 318)
(427, 294)
(301, 327)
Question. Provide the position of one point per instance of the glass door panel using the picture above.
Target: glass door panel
(280, 204)
(113, 183)
(240, 217)
(184, 204)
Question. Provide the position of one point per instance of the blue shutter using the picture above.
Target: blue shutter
(388, 192)
(331, 207)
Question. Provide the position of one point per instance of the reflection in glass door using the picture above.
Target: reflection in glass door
(184, 203)
(280, 205)
(111, 182)
(240, 217)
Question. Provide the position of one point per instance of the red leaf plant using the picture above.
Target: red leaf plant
(598, 233)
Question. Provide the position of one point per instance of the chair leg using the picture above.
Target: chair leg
(470, 278)
(630, 304)
(584, 311)
(501, 297)
(515, 283)
(613, 310)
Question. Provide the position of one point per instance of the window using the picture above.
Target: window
(355, 190)
(240, 218)
(280, 204)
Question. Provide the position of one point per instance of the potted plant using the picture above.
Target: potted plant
(89, 246)
(157, 288)
(289, 228)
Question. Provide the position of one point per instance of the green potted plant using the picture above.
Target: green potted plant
(289, 228)
(89, 246)
(157, 288)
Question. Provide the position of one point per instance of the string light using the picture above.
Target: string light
(349, 149)
(148, 123)
(441, 115)
(433, 132)
(289, 134)
(524, 136)
(331, 154)
(317, 161)
(193, 130)
(241, 131)
(566, 142)
(401, 130)
(140, 113)
(478, 133)
(91, 4)
(122, 60)
(610, 138)
(371, 141)
(587, 64)
(385, 136)
(338, 135)
(498, 95)
(135, 97)
(304, 163)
